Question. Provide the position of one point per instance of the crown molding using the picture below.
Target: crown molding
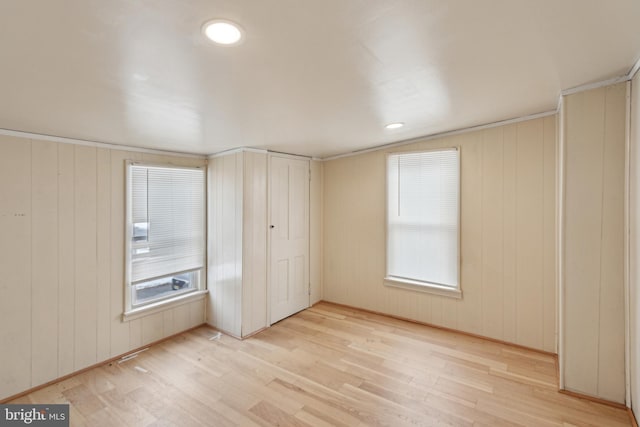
(443, 134)
(86, 143)
(634, 70)
(258, 150)
(237, 150)
(602, 83)
(595, 85)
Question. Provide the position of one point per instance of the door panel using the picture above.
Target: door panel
(289, 240)
(282, 281)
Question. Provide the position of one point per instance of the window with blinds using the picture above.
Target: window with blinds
(166, 232)
(423, 218)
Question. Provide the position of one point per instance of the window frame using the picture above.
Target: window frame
(132, 311)
(413, 284)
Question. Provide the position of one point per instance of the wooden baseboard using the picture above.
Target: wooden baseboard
(594, 399)
(96, 365)
(632, 417)
(444, 328)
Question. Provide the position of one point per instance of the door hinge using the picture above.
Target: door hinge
(309, 288)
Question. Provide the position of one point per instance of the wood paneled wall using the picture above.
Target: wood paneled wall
(593, 291)
(508, 236)
(254, 238)
(238, 243)
(316, 217)
(634, 245)
(62, 222)
(225, 199)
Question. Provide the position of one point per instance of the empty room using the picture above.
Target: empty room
(320, 213)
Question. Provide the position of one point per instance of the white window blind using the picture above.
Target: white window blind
(422, 217)
(167, 218)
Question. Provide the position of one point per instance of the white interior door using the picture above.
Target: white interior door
(289, 236)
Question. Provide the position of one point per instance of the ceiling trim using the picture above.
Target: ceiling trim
(602, 83)
(257, 150)
(86, 143)
(634, 70)
(595, 85)
(237, 150)
(443, 134)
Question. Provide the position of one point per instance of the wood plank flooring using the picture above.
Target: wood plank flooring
(327, 366)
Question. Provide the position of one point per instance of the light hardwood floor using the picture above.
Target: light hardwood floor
(328, 366)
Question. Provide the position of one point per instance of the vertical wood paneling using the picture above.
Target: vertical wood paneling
(238, 243)
(372, 217)
(331, 265)
(594, 225)
(316, 219)
(492, 237)
(86, 292)
(634, 245)
(168, 323)
(225, 235)
(550, 307)
(611, 302)
(583, 218)
(238, 252)
(135, 326)
(213, 209)
(451, 309)
(196, 313)
(254, 247)
(354, 183)
(62, 247)
(152, 328)
(250, 253)
(135, 333)
(234, 267)
(103, 253)
(216, 292)
(15, 268)
(66, 259)
(119, 329)
(529, 222)
(44, 272)
(507, 233)
(181, 317)
(471, 265)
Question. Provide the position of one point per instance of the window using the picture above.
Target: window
(165, 234)
(423, 221)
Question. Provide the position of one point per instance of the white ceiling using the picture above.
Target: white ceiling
(313, 77)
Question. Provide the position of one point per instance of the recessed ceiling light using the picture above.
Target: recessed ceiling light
(394, 125)
(223, 32)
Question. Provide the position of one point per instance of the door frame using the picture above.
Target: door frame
(271, 154)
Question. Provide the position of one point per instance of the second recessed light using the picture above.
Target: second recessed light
(223, 32)
(394, 125)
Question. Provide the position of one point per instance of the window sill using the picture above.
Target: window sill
(426, 287)
(159, 306)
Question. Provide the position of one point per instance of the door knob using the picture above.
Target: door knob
(272, 226)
